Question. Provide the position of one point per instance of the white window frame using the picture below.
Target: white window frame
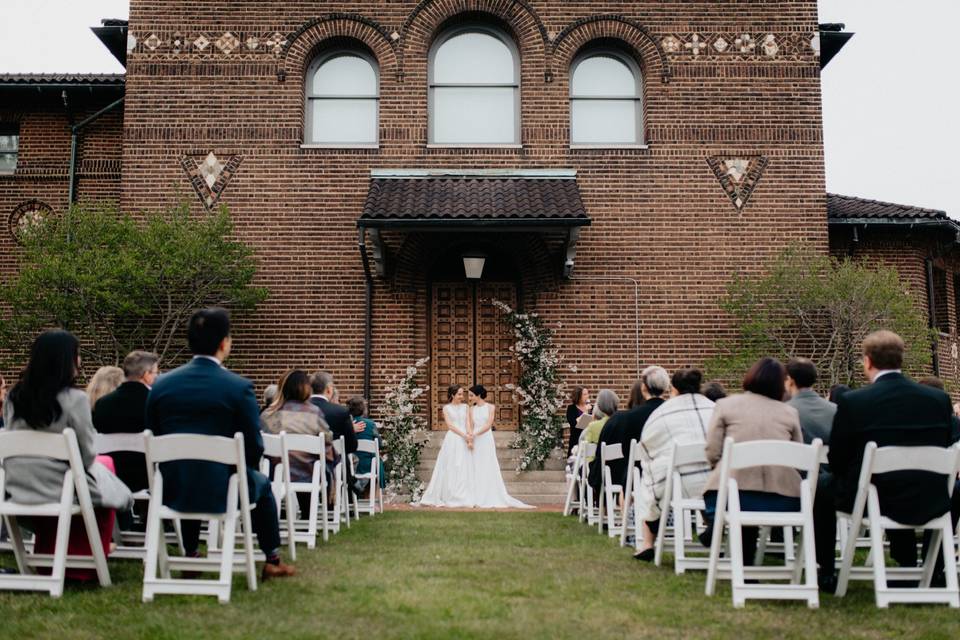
(318, 62)
(508, 40)
(12, 129)
(640, 142)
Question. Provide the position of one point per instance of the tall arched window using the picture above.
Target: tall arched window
(605, 100)
(342, 92)
(474, 88)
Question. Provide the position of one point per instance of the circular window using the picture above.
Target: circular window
(25, 215)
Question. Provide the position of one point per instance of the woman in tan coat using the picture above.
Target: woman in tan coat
(757, 414)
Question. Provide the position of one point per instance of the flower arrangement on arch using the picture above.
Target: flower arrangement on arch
(539, 390)
(404, 432)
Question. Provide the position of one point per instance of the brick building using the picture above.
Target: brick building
(607, 170)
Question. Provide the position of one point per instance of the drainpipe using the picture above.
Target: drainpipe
(74, 135)
(636, 306)
(368, 328)
(931, 310)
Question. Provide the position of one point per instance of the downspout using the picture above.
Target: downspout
(931, 310)
(74, 136)
(368, 328)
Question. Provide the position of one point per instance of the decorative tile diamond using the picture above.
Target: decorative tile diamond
(252, 43)
(670, 44)
(770, 46)
(209, 176)
(745, 43)
(152, 42)
(210, 169)
(228, 42)
(721, 45)
(695, 46)
(177, 41)
(738, 176)
(201, 42)
(277, 42)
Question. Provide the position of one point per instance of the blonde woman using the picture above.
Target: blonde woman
(104, 381)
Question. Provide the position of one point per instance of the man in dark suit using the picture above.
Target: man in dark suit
(202, 397)
(626, 426)
(337, 416)
(123, 411)
(891, 411)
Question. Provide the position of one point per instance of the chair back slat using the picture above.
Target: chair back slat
(368, 446)
(306, 443)
(612, 452)
(272, 444)
(590, 449)
(778, 453)
(687, 454)
(31, 443)
(933, 459)
(340, 445)
(104, 443)
(188, 446)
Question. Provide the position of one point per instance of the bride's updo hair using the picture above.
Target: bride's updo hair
(452, 390)
(479, 390)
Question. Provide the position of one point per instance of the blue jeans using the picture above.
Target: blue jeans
(749, 501)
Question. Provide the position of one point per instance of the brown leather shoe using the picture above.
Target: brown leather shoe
(277, 571)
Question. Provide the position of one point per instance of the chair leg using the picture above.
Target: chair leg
(950, 563)
(930, 559)
(60, 550)
(761, 551)
(19, 549)
(226, 555)
(715, 542)
(846, 557)
(248, 549)
(152, 544)
(736, 559)
(876, 547)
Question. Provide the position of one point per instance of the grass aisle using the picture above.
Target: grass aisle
(414, 574)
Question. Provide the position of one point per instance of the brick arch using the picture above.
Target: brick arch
(650, 55)
(429, 16)
(312, 34)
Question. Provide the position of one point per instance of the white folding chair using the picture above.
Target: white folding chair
(341, 510)
(132, 544)
(742, 455)
(58, 446)
(368, 505)
(280, 484)
(630, 497)
(305, 527)
(589, 509)
(684, 512)
(611, 494)
(574, 499)
(228, 451)
(886, 460)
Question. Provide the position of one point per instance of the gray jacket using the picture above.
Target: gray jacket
(40, 480)
(816, 415)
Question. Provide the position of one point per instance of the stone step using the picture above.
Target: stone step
(503, 453)
(540, 499)
(503, 439)
(507, 463)
(510, 476)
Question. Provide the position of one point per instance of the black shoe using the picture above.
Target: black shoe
(939, 581)
(706, 536)
(827, 583)
(646, 555)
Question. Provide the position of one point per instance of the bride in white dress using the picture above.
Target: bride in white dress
(452, 484)
(488, 488)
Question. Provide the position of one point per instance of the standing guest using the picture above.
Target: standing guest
(681, 420)
(366, 430)
(816, 414)
(269, 395)
(203, 397)
(607, 403)
(123, 411)
(757, 414)
(714, 391)
(625, 426)
(104, 381)
(337, 417)
(892, 411)
(579, 405)
(44, 400)
(293, 412)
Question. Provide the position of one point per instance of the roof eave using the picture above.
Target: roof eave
(114, 38)
(442, 224)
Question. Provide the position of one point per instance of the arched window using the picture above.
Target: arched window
(474, 88)
(605, 100)
(342, 92)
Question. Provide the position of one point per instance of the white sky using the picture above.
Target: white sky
(890, 98)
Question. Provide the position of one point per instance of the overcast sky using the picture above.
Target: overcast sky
(890, 99)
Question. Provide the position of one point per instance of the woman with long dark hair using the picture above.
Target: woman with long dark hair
(46, 401)
(579, 406)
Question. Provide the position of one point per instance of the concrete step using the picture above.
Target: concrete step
(503, 453)
(519, 489)
(503, 439)
(540, 499)
(511, 476)
(508, 463)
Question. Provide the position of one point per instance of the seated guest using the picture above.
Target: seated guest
(836, 391)
(714, 391)
(816, 414)
(757, 414)
(366, 430)
(602, 411)
(104, 381)
(892, 411)
(681, 420)
(624, 426)
(337, 417)
(44, 400)
(292, 412)
(122, 411)
(269, 395)
(203, 397)
(579, 405)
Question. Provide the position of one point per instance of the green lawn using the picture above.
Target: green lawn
(416, 574)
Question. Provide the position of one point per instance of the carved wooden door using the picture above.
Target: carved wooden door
(471, 345)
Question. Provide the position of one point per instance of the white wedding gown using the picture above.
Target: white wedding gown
(451, 484)
(489, 492)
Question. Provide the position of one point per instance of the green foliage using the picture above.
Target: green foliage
(815, 306)
(404, 432)
(121, 283)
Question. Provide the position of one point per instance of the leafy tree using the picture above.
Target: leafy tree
(122, 283)
(818, 307)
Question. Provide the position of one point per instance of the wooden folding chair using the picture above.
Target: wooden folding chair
(228, 451)
(756, 453)
(945, 461)
(58, 446)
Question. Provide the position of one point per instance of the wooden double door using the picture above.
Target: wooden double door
(471, 345)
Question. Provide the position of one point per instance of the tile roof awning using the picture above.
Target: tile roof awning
(450, 199)
(847, 210)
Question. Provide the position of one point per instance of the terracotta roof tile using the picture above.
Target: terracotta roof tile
(840, 207)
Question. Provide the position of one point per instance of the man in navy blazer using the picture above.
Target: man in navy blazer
(203, 397)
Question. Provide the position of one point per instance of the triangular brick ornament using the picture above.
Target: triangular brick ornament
(210, 174)
(738, 176)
